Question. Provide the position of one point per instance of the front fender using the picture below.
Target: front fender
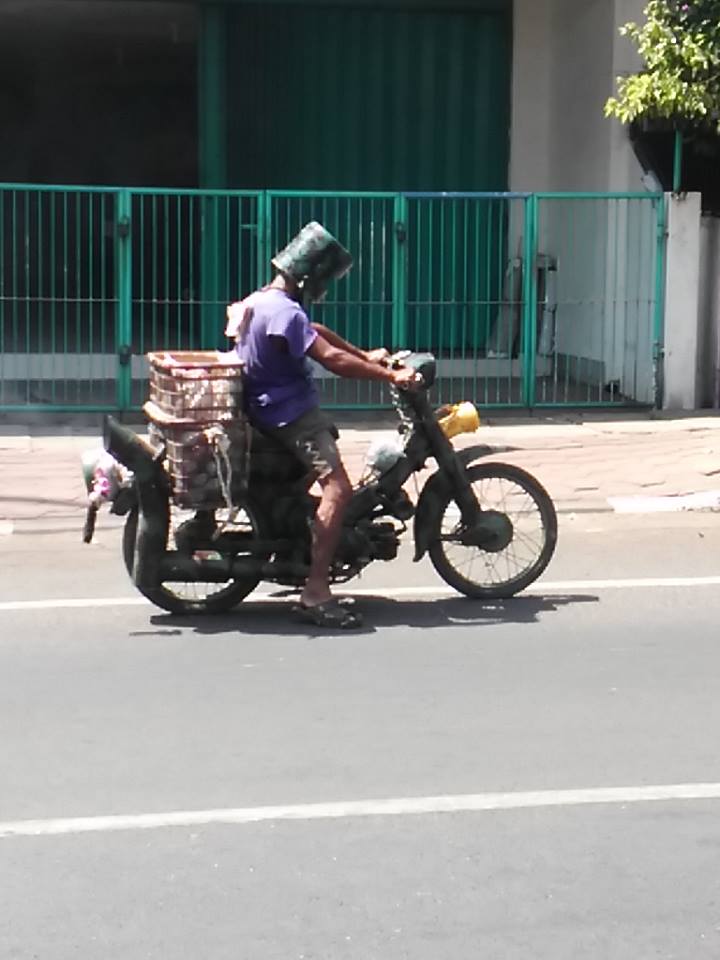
(471, 454)
(435, 495)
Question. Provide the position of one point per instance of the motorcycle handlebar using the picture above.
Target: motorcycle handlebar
(396, 361)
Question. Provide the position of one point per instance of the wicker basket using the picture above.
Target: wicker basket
(190, 394)
(202, 385)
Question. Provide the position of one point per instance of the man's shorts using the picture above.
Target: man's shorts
(312, 438)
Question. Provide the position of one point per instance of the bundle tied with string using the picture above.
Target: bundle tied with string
(196, 411)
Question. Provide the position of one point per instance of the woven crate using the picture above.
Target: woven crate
(192, 465)
(202, 385)
(191, 392)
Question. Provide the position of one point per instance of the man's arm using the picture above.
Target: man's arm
(335, 340)
(345, 364)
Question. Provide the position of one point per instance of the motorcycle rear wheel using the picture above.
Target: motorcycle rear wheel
(484, 574)
(195, 597)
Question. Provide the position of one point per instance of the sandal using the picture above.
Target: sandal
(330, 614)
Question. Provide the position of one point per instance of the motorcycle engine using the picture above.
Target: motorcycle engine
(368, 541)
(384, 540)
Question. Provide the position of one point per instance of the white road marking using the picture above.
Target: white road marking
(430, 592)
(61, 603)
(350, 809)
(705, 500)
(7, 527)
(630, 583)
(549, 586)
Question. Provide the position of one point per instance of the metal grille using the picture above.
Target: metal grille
(57, 298)
(597, 300)
(189, 255)
(527, 299)
(464, 293)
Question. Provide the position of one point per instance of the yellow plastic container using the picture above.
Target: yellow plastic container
(460, 418)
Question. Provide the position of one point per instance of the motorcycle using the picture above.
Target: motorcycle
(489, 528)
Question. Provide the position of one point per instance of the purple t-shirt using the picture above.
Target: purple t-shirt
(278, 383)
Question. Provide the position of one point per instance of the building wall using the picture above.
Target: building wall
(98, 92)
(566, 55)
(340, 98)
(94, 89)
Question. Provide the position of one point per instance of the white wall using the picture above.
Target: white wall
(624, 170)
(531, 106)
(581, 68)
(566, 55)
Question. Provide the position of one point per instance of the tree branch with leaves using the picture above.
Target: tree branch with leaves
(680, 79)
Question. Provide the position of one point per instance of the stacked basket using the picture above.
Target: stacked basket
(192, 393)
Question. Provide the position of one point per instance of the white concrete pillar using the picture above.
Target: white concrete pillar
(682, 285)
(532, 102)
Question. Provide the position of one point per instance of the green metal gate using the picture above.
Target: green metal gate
(93, 278)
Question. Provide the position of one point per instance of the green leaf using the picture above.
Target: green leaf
(679, 45)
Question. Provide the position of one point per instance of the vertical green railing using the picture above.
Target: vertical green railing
(123, 330)
(193, 253)
(605, 280)
(58, 300)
(465, 299)
(530, 292)
(528, 300)
(398, 339)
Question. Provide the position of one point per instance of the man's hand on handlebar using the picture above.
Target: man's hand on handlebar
(379, 355)
(405, 378)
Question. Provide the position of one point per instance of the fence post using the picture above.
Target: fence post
(264, 237)
(399, 278)
(212, 96)
(529, 312)
(659, 318)
(123, 280)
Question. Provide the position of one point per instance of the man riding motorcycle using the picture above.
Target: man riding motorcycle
(274, 338)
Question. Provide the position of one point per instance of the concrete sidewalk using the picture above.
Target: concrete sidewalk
(584, 462)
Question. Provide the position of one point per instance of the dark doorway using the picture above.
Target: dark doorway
(98, 93)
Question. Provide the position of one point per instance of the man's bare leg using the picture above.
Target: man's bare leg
(336, 494)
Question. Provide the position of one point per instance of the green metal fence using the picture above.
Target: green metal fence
(93, 278)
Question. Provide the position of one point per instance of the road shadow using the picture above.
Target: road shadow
(275, 617)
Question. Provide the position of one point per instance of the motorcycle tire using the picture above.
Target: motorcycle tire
(445, 544)
(224, 597)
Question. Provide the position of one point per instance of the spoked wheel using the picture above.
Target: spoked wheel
(519, 541)
(194, 597)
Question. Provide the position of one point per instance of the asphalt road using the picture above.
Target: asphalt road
(430, 779)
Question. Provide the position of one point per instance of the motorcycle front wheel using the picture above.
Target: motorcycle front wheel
(522, 552)
(191, 597)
